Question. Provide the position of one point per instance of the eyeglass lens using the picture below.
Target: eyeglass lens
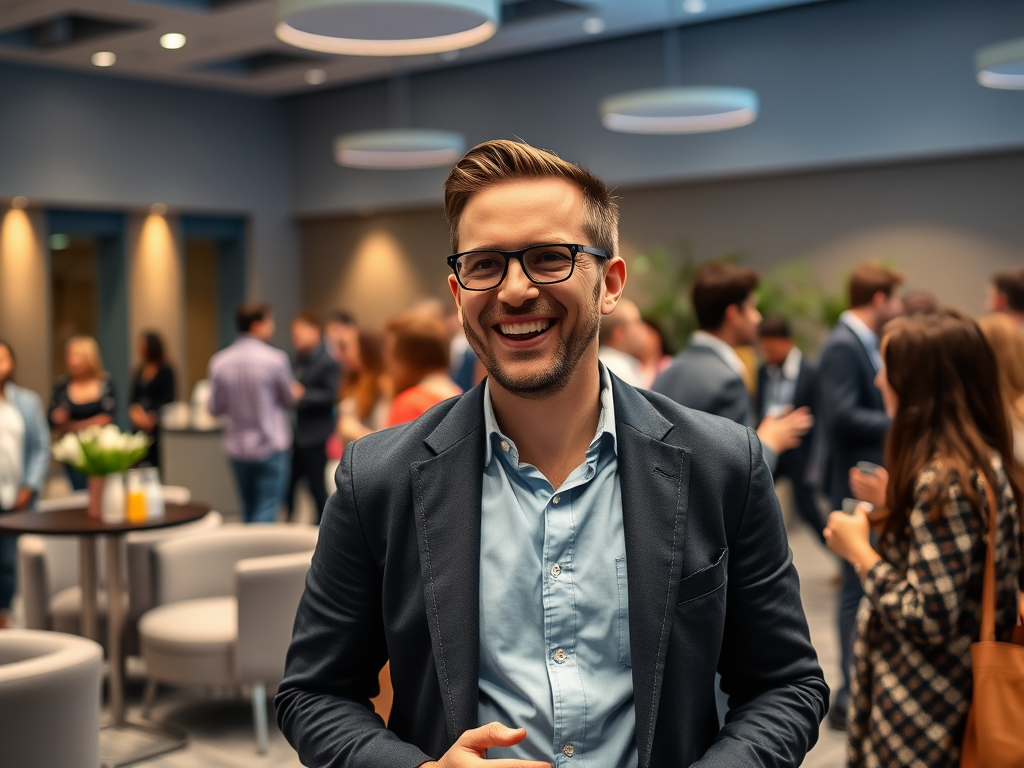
(481, 270)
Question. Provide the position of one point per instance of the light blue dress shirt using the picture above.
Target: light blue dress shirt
(554, 610)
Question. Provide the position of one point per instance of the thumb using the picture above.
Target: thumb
(492, 735)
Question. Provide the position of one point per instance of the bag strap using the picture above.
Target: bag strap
(988, 590)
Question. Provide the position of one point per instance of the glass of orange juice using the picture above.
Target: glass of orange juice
(136, 494)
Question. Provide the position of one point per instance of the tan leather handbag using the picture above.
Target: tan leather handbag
(995, 724)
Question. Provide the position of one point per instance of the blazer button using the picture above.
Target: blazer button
(569, 750)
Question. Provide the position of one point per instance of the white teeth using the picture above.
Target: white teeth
(518, 329)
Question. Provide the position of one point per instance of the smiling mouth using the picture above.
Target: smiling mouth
(524, 331)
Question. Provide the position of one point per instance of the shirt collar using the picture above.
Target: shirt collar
(605, 421)
(791, 365)
(868, 337)
(720, 348)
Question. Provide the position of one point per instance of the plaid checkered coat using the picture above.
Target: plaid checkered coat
(911, 687)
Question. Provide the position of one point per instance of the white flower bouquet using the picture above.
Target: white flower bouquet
(98, 451)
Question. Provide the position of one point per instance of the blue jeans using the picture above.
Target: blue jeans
(8, 570)
(262, 484)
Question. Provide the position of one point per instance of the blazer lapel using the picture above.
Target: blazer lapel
(654, 477)
(446, 501)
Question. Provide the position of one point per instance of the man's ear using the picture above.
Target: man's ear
(614, 278)
(453, 283)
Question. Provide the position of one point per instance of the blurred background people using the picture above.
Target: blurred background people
(654, 354)
(318, 374)
(709, 376)
(83, 397)
(251, 386)
(464, 366)
(854, 422)
(416, 349)
(1006, 295)
(24, 459)
(1007, 344)
(621, 340)
(919, 302)
(949, 441)
(787, 380)
(364, 392)
(152, 389)
(340, 336)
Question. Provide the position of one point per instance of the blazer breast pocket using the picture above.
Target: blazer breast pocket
(706, 580)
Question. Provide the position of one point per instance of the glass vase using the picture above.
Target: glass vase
(113, 507)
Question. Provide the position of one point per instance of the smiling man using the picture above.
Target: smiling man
(555, 564)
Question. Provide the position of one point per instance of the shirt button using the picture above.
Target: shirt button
(557, 499)
(569, 750)
(560, 656)
(504, 445)
(556, 570)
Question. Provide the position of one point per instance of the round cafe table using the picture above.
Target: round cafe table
(77, 522)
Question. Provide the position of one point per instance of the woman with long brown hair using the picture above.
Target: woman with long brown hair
(950, 440)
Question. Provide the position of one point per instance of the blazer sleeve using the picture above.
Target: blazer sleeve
(846, 420)
(770, 671)
(338, 648)
(322, 385)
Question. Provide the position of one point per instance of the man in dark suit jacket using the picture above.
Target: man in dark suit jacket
(460, 547)
(853, 421)
(785, 380)
(318, 375)
(708, 375)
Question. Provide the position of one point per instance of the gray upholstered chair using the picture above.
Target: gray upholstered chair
(226, 604)
(50, 699)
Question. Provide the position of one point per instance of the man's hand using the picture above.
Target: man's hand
(297, 391)
(469, 750)
(780, 433)
(869, 488)
(24, 497)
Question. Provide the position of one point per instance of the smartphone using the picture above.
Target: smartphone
(850, 506)
(868, 468)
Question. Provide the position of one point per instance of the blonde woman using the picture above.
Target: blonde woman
(1007, 343)
(83, 397)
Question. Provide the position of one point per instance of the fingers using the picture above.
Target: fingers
(491, 735)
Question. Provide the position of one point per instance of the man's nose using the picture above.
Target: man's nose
(517, 288)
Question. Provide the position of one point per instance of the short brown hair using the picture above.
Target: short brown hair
(869, 278)
(249, 314)
(421, 344)
(1011, 285)
(774, 328)
(716, 287)
(309, 318)
(495, 162)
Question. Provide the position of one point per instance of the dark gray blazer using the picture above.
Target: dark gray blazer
(396, 576)
(850, 408)
(700, 379)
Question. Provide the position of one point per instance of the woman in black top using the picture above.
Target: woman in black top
(152, 388)
(84, 397)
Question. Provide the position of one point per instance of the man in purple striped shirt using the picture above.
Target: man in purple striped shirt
(251, 386)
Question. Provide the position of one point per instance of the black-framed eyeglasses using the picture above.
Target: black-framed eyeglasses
(543, 264)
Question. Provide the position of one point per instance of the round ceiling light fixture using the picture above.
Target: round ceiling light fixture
(104, 59)
(1001, 65)
(679, 110)
(399, 149)
(386, 27)
(172, 41)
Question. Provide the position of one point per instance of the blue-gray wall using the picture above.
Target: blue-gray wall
(841, 82)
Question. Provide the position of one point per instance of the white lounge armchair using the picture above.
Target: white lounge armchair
(226, 604)
(50, 699)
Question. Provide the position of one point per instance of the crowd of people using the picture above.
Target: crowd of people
(910, 424)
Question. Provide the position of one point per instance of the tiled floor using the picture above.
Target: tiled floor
(221, 728)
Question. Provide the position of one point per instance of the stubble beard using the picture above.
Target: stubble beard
(568, 353)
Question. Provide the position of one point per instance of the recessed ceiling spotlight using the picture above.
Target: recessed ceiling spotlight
(450, 55)
(315, 76)
(695, 6)
(172, 40)
(20, 201)
(104, 58)
(594, 25)
(158, 209)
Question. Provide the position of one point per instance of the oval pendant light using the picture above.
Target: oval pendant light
(1001, 65)
(679, 110)
(398, 149)
(386, 27)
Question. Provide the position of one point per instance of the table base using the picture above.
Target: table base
(171, 738)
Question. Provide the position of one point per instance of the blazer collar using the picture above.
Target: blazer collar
(447, 492)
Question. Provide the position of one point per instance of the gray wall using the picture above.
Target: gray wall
(841, 82)
(90, 142)
(947, 224)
